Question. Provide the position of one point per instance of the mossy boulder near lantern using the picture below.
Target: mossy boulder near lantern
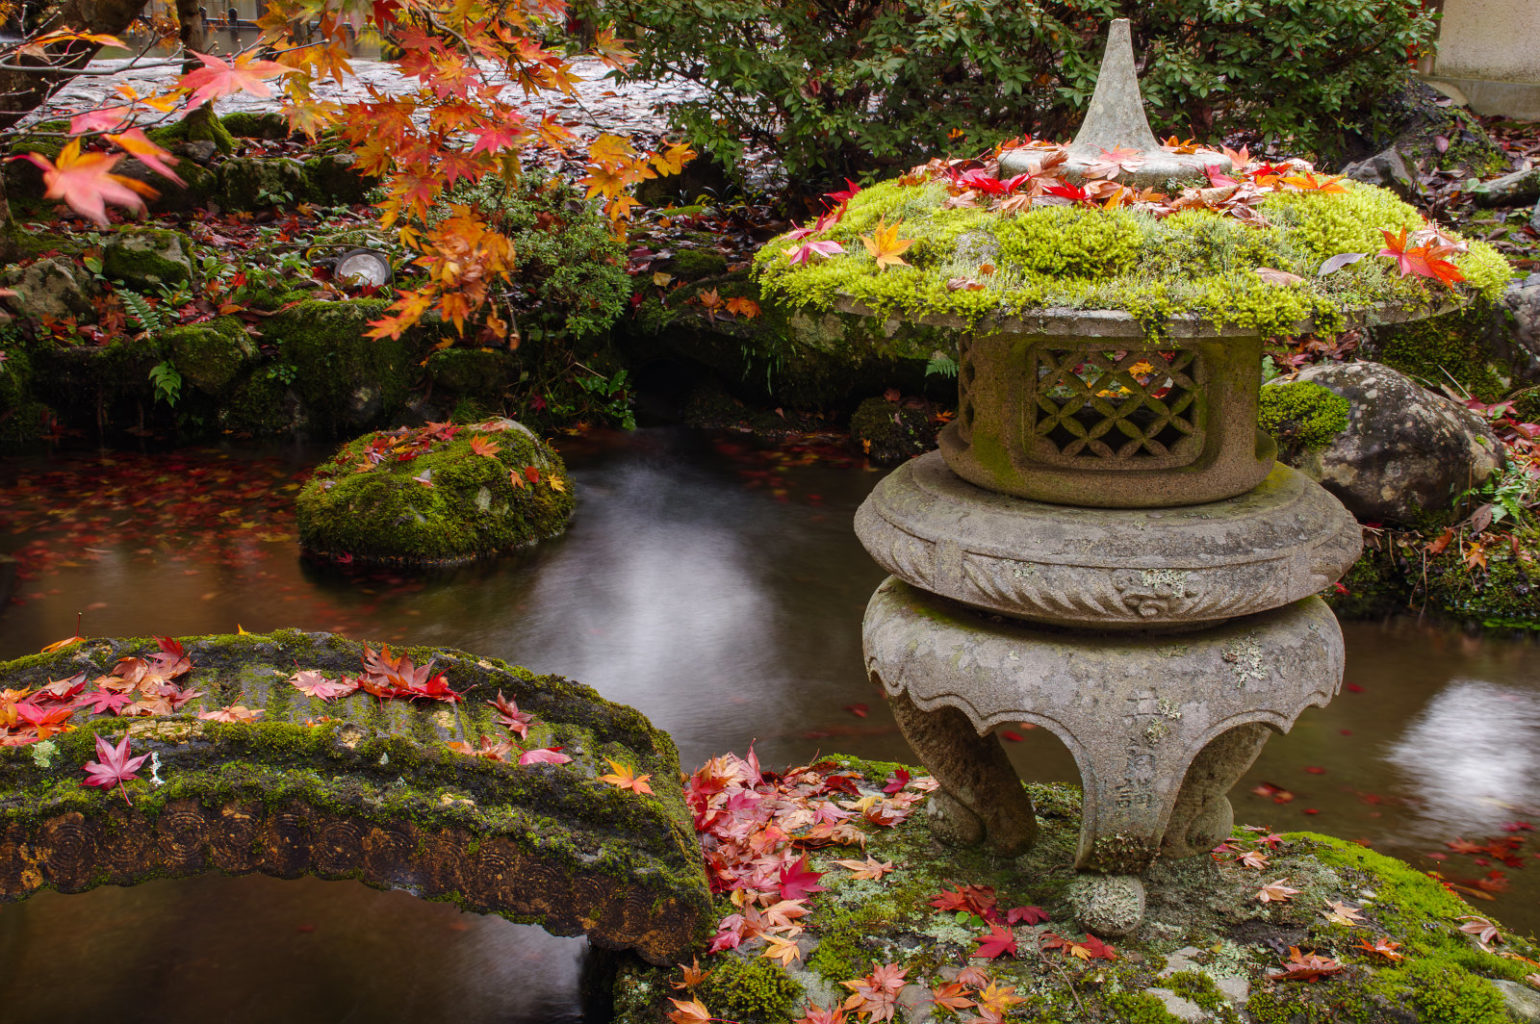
(1104, 546)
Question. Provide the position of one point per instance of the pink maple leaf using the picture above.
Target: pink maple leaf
(114, 768)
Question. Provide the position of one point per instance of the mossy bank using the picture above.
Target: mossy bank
(436, 495)
(1204, 953)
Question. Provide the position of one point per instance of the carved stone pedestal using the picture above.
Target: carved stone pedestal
(1160, 645)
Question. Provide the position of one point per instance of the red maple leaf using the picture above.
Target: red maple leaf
(86, 183)
(510, 717)
(545, 755)
(1026, 915)
(217, 78)
(999, 940)
(798, 880)
(114, 768)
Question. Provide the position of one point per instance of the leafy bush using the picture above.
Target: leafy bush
(839, 87)
(570, 280)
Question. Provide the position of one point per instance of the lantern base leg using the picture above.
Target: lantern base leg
(981, 798)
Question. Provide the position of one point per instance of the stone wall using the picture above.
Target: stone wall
(1487, 50)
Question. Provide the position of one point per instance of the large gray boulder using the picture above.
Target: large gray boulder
(54, 287)
(1405, 450)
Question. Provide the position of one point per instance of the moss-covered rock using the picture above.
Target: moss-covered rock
(479, 373)
(891, 432)
(246, 124)
(799, 357)
(147, 258)
(1301, 416)
(210, 355)
(54, 287)
(1207, 945)
(332, 178)
(363, 788)
(257, 183)
(196, 126)
(435, 496)
(264, 404)
(22, 417)
(347, 381)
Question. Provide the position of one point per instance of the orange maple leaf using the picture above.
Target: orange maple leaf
(152, 156)
(746, 308)
(1308, 182)
(1422, 260)
(85, 181)
(626, 778)
(482, 445)
(885, 245)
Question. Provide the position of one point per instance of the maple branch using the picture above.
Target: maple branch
(1037, 942)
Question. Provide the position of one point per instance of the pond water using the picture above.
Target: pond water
(715, 586)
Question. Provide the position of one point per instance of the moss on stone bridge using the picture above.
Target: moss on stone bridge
(363, 789)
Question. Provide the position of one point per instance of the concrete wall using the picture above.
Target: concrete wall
(1490, 51)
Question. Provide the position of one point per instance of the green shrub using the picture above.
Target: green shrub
(838, 87)
(569, 279)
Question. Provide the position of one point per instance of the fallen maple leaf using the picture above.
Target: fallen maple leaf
(1343, 913)
(885, 245)
(1383, 947)
(693, 975)
(744, 307)
(510, 717)
(949, 996)
(626, 778)
(818, 1015)
(784, 951)
(1299, 967)
(798, 880)
(545, 755)
(997, 999)
(1485, 931)
(485, 446)
(999, 940)
(802, 254)
(870, 868)
(1422, 260)
(1255, 859)
(313, 684)
(876, 994)
(114, 767)
(232, 713)
(1276, 892)
(691, 1011)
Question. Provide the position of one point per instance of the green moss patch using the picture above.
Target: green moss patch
(1301, 416)
(970, 262)
(438, 495)
(361, 788)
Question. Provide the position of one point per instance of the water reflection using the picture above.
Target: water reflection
(255, 950)
(717, 589)
(1472, 757)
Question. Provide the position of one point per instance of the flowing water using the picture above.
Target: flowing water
(714, 586)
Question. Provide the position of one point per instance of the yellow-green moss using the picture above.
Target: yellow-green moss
(750, 991)
(1139, 1008)
(1197, 261)
(1302, 416)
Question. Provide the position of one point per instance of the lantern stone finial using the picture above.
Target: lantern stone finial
(1116, 115)
(1116, 119)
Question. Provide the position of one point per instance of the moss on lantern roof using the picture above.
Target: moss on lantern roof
(1197, 261)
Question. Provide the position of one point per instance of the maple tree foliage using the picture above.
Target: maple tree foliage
(471, 66)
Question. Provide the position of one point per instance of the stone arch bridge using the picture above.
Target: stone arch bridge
(364, 786)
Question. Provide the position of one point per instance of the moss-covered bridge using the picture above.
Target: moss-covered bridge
(294, 753)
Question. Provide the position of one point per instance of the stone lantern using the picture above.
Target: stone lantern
(1105, 547)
